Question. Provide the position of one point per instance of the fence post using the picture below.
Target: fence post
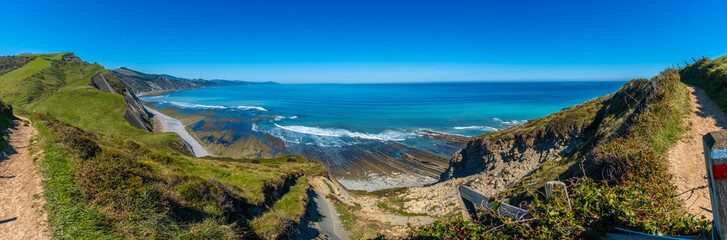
(715, 157)
(553, 186)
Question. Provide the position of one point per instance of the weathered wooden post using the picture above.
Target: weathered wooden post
(469, 198)
(715, 157)
(555, 186)
(466, 206)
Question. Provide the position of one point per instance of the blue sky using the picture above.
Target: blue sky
(373, 41)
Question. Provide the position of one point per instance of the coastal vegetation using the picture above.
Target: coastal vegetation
(105, 179)
(710, 75)
(618, 179)
(6, 121)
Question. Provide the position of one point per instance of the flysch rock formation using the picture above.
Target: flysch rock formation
(135, 113)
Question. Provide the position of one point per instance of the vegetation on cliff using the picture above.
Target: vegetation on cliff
(6, 121)
(104, 178)
(710, 75)
(617, 177)
(144, 82)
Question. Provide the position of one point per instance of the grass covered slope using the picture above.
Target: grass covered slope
(106, 179)
(624, 180)
(6, 121)
(710, 75)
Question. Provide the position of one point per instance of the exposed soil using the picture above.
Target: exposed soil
(329, 225)
(389, 224)
(20, 190)
(686, 159)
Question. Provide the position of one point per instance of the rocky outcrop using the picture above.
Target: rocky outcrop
(519, 150)
(135, 112)
(70, 57)
(99, 82)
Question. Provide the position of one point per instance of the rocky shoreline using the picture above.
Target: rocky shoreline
(173, 125)
(369, 166)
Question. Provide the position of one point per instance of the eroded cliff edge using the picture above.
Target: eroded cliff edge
(135, 112)
(516, 152)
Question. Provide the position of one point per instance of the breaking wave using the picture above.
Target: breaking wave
(252, 107)
(192, 105)
(201, 106)
(388, 135)
(485, 128)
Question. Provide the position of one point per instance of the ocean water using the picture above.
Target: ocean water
(333, 114)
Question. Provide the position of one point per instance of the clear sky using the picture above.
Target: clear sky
(371, 40)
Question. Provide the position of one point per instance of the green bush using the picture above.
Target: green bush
(160, 157)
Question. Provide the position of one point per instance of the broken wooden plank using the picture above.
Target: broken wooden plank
(470, 195)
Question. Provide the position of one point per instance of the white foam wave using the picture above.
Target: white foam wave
(387, 135)
(192, 105)
(514, 122)
(252, 107)
(278, 118)
(201, 106)
(486, 128)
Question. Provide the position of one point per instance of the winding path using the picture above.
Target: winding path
(20, 213)
(173, 125)
(686, 159)
(329, 224)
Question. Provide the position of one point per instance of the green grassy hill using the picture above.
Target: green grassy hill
(105, 179)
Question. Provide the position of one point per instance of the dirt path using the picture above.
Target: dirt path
(686, 159)
(329, 224)
(393, 224)
(20, 215)
(174, 125)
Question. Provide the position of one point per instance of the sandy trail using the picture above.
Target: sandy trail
(329, 225)
(173, 125)
(686, 159)
(20, 215)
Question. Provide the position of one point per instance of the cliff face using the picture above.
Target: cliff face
(516, 152)
(142, 82)
(135, 112)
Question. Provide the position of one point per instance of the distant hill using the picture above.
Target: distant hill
(143, 82)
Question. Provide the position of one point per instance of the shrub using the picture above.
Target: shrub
(114, 180)
(160, 157)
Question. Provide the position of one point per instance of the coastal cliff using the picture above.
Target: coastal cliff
(135, 112)
(99, 162)
(572, 132)
(140, 82)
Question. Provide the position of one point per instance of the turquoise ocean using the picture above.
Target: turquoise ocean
(337, 115)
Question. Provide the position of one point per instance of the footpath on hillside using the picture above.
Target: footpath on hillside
(20, 190)
(686, 159)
